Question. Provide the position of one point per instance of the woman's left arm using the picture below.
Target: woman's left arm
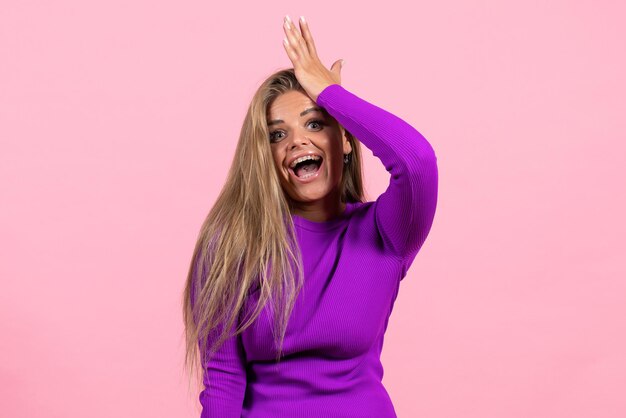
(404, 213)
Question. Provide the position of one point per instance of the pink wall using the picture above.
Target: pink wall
(118, 121)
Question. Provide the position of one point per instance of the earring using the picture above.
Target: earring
(346, 158)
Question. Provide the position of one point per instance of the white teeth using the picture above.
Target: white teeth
(306, 157)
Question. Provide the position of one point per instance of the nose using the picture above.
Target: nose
(298, 139)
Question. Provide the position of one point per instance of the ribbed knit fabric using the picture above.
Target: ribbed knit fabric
(353, 265)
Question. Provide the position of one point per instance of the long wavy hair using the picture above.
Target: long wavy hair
(247, 241)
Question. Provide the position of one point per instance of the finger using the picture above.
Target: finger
(290, 52)
(306, 33)
(291, 39)
(336, 69)
(298, 41)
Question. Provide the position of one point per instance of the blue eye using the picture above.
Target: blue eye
(316, 122)
(272, 135)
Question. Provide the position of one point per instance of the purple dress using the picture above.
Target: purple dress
(353, 265)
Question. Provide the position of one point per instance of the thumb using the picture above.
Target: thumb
(336, 68)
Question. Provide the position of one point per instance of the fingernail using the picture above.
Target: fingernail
(302, 19)
(288, 19)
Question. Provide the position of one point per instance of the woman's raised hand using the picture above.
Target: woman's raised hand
(310, 72)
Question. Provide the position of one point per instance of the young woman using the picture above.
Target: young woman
(294, 276)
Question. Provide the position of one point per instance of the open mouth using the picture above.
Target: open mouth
(307, 170)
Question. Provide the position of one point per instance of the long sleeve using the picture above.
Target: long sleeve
(224, 375)
(225, 381)
(404, 213)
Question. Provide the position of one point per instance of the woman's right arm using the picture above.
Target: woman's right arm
(224, 374)
(225, 381)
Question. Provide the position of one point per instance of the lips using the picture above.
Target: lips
(295, 157)
(308, 179)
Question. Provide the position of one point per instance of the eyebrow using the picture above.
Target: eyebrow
(309, 110)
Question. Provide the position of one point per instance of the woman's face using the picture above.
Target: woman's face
(298, 126)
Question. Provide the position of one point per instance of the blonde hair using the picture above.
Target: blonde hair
(247, 241)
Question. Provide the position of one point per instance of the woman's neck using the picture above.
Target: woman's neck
(319, 211)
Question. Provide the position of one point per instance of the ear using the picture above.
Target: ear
(347, 147)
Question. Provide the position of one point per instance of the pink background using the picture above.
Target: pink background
(118, 122)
